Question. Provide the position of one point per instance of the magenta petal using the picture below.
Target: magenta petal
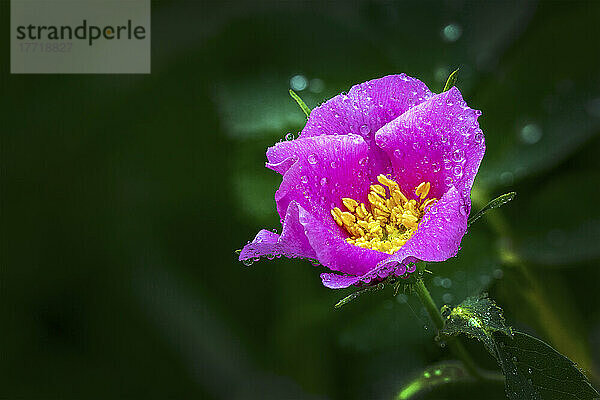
(334, 252)
(366, 108)
(335, 281)
(437, 239)
(440, 231)
(437, 141)
(318, 172)
(305, 236)
(291, 243)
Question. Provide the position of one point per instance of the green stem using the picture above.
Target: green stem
(530, 293)
(454, 343)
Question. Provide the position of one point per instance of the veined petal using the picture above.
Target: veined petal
(318, 172)
(305, 236)
(334, 252)
(366, 108)
(438, 141)
(291, 243)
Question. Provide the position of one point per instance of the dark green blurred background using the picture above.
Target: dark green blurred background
(124, 198)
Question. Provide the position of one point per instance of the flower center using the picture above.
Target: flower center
(388, 221)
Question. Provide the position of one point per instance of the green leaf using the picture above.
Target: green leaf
(497, 202)
(436, 375)
(476, 317)
(451, 80)
(384, 319)
(534, 370)
(301, 103)
(391, 280)
(358, 293)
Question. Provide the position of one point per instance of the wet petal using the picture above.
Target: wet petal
(366, 108)
(438, 141)
(305, 236)
(318, 172)
(291, 243)
(437, 239)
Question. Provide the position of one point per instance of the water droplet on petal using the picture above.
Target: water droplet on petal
(289, 136)
(398, 153)
(312, 159)
(333, 164)
(457, 171)
(365, 130)
(323, 181)
(458, 155)
(304, 179)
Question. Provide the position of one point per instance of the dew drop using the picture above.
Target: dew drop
(247, 262)
(312, 159)
(458, 155)
(304, 179)
(447, 298)
(531, 133)
(451, 32)
(298, 82)
(323, 181)
(364, 129)
(333, 164)
(289, 136)
(316, 85)
(457, 170)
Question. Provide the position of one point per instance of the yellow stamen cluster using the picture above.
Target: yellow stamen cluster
(388, 221)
